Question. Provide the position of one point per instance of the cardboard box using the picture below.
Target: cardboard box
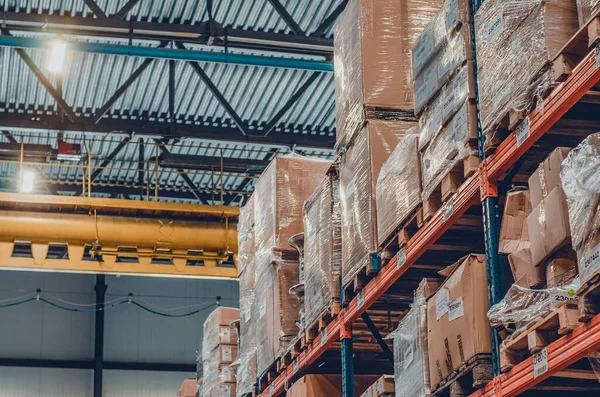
(188, 388)
(279, 195)
(548, 226)
(522, 268)
(586, 10)
(547, 175)
(220, 390)
(216, 328)
(515, 43)
(513, 232)
(384, 386)
(372, 58)
(398, 189)
(457, 322)
(359, 171)
(328, 385)
(562, 269)
(226, 354)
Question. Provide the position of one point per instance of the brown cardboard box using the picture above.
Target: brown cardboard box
(428, 287)
(188, 388)
(372, 58)
(513, 232)
(328, 385)
(216, 328)
(522, 266)
(383, 387)
(548, 226)
(276, 310)
(220, 390)
(547, 175)
(279, 195)
(457, 324)
(359, 171)
(227, 353)
(562, 268)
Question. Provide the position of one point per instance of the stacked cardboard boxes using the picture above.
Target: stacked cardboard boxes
(327, 385)
(516, 41)
(246, 371)
(457, 325)
(372, 59)
(444, 87)
(219, 351)
(323, 250)
(383, 387)
(279, 196)
(188, 388)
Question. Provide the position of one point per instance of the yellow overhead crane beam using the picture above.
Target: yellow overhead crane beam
(117, 236)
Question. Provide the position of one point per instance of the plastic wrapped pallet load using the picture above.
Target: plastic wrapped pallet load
(245, 233)
(359, 170)
(372, 58)
(398, 190)
(516, 41)
(457, 314)
(246, 372)
(323, 250)
(580, 177)
(586, 10)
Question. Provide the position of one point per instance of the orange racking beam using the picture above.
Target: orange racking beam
(567, 350)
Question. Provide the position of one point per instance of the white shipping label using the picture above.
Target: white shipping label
(360, 299)
(448, 209)
(401, 258)
(452, 15)
(262, 308)
(423, 48)
(323, 336)
(296, 366)
(226, 353)
(522, 132)
(227, 374)
(409, 356)
(456, 309)
(225, 334)
(271, 389)
(590, 263)
(540, 363)
(495, 28)
(226, 389)
(562, 296)
(442, 300)
(598, 57)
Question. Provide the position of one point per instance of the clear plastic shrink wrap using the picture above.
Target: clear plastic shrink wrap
(246, 373)
(372, 58)
(245, 234)
(586, 10)
(398, 191)
(580, 177)
(323, 255)
(359, 170)
(279, 195)
(276, 311)
(442, 48)
(522, 307)
(216, 330)
(516, 40)
(219, 348)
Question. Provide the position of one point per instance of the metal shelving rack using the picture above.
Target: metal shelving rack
(481, 187)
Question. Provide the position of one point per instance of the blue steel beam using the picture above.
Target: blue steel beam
(171, 53)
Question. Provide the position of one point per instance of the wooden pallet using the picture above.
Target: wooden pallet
(358, 282)
(313, 330)
(449, 185)
(560, 67)
(472, 375)
(294, 349)
(400, 236)
(588, 299)
(538, 335)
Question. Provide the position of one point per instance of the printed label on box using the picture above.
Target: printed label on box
(226, 353)
(448, 209)
(540, 363)
(442, 300)
(590, 263)
(423, 48)
(360, 299)
(226, 390)
(323, 336)
(401, 258)
(448, 101)
(522, 132)
(409, 356)
(456, 309)
(460, 128)
(425, 84)
(225, 335)
(495, 28)
(296, 366)
(227, 374)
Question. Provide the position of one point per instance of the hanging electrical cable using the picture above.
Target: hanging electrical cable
(78, 307)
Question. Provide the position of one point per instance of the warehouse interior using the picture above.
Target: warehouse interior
(354, 198)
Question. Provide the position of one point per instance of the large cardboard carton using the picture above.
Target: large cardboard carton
(548, 226)
(562, 269)
(279, 195)
(457, 324)
(216, 330)
(514, 235)
(547, 176)
(327, 385)
(372, 58)
(359, 171)
(523, 269)
(188, 388)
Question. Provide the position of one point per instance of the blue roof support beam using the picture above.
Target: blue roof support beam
(326, 24)
(171, 53)
(285, 15)
(95, 9)
(125, 9)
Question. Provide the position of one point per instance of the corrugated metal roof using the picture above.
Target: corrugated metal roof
(89, 80)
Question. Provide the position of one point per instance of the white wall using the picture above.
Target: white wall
(37, 330)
